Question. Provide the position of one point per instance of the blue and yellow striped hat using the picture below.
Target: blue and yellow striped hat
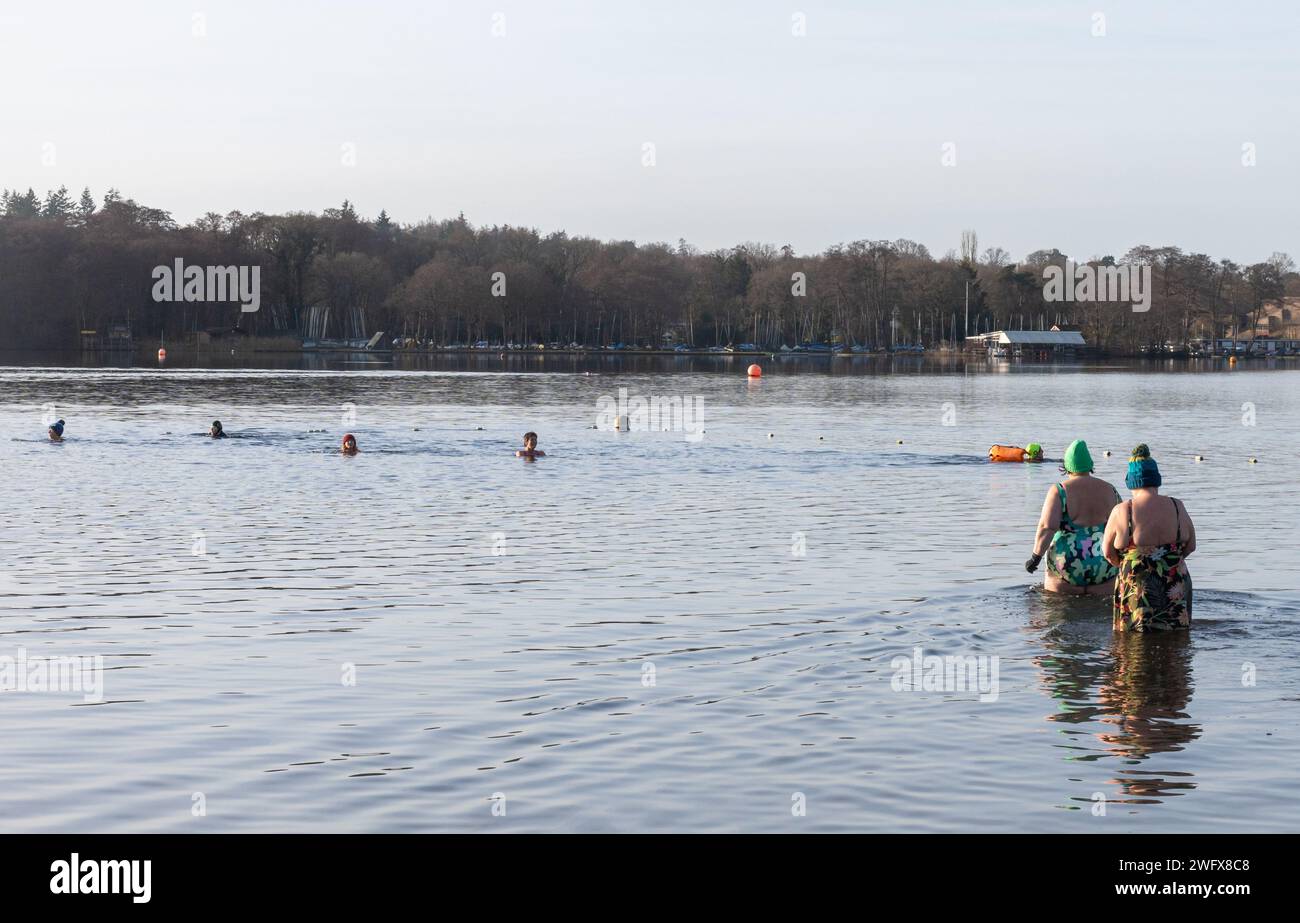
(1142, 469)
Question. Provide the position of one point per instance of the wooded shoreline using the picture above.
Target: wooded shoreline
(78, 268)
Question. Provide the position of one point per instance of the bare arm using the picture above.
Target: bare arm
(1047, 522)
(1189, 543)
(1110, 543)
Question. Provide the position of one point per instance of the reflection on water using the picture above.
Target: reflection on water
(1145, 694)
(637, 632)
(1130, 694)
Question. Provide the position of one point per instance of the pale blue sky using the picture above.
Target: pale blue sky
(1090, 144)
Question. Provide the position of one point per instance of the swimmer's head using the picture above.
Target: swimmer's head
(530, 440)
(216, 428)
(1034, 451)
(1143, 472)
(1078, 460)
(56, 430)
(349, 443)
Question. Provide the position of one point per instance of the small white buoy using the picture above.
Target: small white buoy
(1254, 460)
(1106, 453)
(771, 435)
(1198, 458)
(820, 438)
(900, 442)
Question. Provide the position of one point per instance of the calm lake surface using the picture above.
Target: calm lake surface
(640, 631)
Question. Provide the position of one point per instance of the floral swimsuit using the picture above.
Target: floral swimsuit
(1075, 554)
(1154, 590)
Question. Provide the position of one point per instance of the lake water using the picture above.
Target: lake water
(640, 631)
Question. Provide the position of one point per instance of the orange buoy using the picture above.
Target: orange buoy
(162, 354)
(1006, 453)
(755, 371)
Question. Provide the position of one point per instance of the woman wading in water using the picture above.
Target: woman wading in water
(1149, 538)
(1071, 527)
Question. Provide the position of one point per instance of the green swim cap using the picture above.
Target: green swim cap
(1034, 450)
(1078, 460)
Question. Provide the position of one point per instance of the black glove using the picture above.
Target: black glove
(1032, 564)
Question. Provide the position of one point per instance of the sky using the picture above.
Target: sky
(1035, 124)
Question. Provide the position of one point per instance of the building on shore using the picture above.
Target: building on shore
(1263, 345)
(115, 338)
(1028, 344)
(1279, 320)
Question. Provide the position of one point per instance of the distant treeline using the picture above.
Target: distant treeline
(69, 264)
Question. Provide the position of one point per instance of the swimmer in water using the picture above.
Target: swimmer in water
(1153, 591)
(530, 449)
(217, 432)
(56, 431)
(349, 445)
(1071, 527)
